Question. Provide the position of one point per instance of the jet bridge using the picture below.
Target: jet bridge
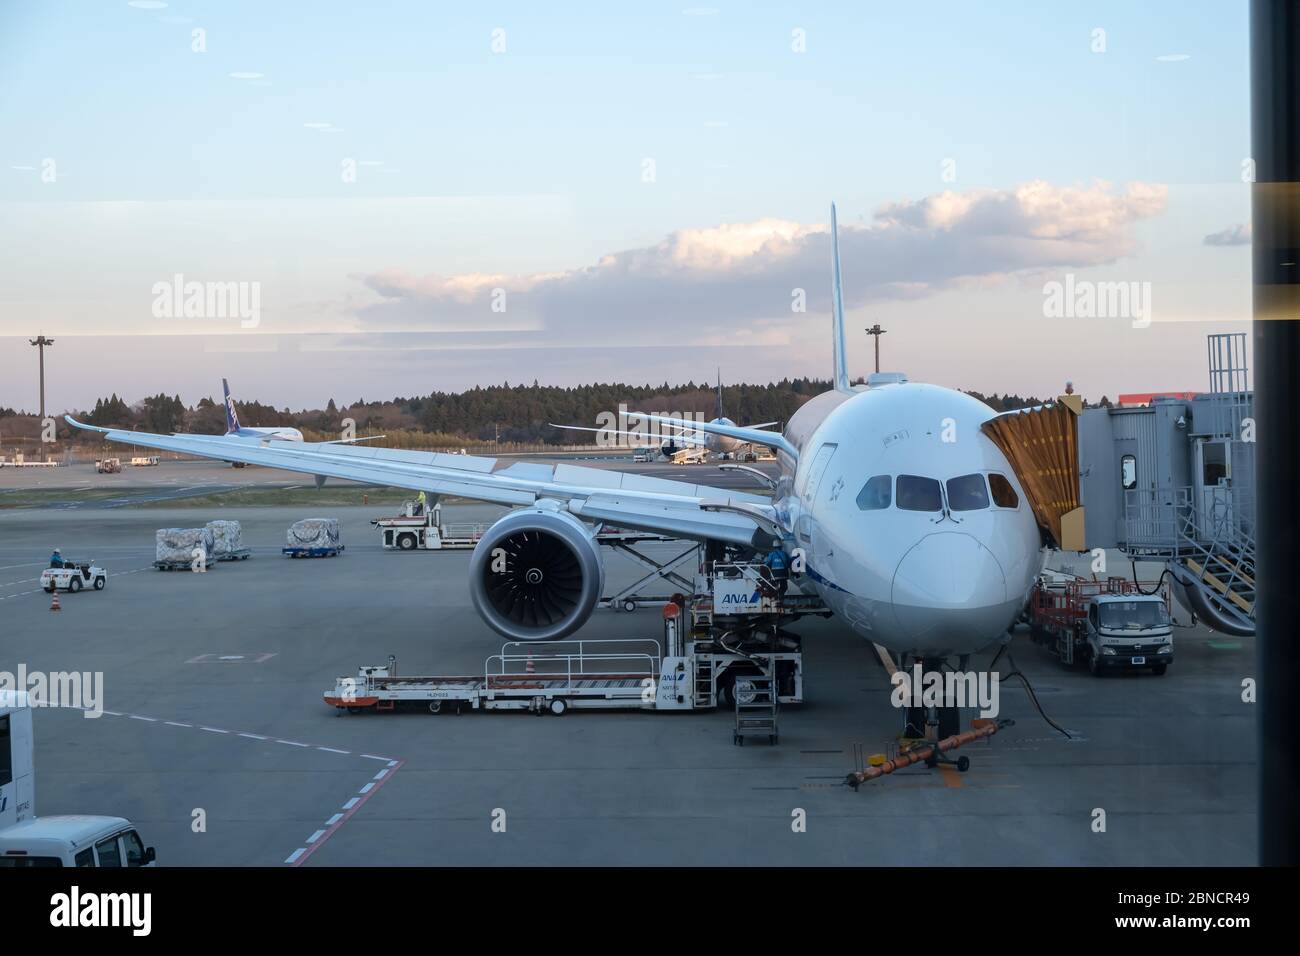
(1173, 480)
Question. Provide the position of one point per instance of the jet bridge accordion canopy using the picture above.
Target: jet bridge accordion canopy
(1043, 448)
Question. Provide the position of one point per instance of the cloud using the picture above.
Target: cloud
(1238, 235)
(740, 280)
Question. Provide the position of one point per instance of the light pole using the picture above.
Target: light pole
(876, 332)
(41, 342)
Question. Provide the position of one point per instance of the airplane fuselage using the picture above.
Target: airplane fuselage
(912, 524)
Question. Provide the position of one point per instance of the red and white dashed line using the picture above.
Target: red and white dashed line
(347, 810)
(313, 843)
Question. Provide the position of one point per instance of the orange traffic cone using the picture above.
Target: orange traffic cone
(529, 666)
(54, 600)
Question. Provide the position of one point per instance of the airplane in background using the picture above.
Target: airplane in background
(913, 525)
(277, 432)
(687, 441)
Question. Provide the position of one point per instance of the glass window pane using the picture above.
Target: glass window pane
(967, 493)
(86, 857)
(134, 848)
(875, 493)
(919, 494)
(108, 852)
(1004, 496)
(1128, 472)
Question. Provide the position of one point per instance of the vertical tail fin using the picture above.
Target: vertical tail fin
(720, 391)
(232, 419)
(837, 310)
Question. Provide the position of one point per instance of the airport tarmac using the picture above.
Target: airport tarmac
(212, 693)
(177, 479)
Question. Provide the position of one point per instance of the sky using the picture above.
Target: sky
(344, 200)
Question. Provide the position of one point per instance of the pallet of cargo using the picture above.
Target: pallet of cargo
(331, 552)
(238, 554)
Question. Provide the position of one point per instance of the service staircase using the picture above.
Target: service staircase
(1209, 550)
(1214, 559)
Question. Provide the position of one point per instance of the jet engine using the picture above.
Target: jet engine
(536, 575)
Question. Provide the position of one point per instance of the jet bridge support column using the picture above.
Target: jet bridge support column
(1275, 205)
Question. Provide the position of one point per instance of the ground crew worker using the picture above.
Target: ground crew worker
(778, 566)
(56, 559)
(420, 502)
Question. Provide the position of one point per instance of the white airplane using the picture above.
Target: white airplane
(684, 441)
(915, 529)
(277, 432)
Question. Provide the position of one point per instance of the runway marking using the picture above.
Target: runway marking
(951, 776)
(336, 820)
(314, 842)
(10, 567)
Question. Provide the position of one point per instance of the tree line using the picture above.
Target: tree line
(507, 413)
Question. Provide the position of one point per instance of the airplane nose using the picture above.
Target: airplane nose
(943, 583)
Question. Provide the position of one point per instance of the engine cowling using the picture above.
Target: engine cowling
(536, 575)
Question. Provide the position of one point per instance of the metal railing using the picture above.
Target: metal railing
(583, 659)
(1212, 528)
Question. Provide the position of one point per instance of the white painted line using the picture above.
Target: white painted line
(292, 743)
(315, 836)
(293, 857)
(351, 803)
(334, 750)
(381, 775)
(113, 713)
(173, 723)
(367, 788)
(152, 720)
(373, 757)
(254, 736)
(214, 730)
(392, 763)
(333, 820)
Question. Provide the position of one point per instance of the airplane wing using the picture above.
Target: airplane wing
(675, 508)
(681, 437)
(753, 434)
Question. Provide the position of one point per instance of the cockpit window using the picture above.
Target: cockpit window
(874, 495)
(967, 493)
(919, 494)
(1004, 496)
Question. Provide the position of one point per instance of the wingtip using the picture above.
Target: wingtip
(76, 424)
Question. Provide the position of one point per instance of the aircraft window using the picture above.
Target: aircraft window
(967, 493)
(1128, 472)
(875, 493)
(919, 494)
(1004, 496)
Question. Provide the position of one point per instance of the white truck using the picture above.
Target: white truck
(27, 840)
(1107, 624)
(412, 531)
